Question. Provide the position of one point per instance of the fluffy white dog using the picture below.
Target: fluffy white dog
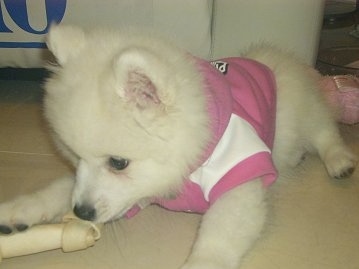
(145, 122)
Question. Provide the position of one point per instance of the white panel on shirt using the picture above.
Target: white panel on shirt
(239, 141)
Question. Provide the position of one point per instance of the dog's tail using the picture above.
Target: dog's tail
(341, 93)
(275, 58)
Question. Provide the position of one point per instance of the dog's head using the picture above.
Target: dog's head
(130, 111)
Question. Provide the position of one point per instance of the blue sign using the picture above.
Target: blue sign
(18, 12)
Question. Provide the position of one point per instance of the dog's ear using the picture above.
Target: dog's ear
(65, 41)
(140, 75)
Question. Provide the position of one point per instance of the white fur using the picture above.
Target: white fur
(121, 94)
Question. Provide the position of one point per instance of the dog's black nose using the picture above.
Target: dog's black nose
(85, 212)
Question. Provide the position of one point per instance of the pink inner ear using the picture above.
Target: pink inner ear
(141, 89)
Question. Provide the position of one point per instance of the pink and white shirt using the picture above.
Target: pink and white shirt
(241, 98)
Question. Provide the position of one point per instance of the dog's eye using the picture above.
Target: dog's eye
(118, 164)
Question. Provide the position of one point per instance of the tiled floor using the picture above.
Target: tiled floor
(314, 221)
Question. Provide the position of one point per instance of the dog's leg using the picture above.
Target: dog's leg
(325, 138)
(44, 206)
(337, 157)
(229, 228)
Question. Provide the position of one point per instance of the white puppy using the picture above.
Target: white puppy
(145, 122)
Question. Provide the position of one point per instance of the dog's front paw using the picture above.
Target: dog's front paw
(20, 214)
(47, 205)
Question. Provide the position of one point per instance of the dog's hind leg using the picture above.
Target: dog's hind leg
(324, 137)
(337, 157)
(44, 206)
(229, 228)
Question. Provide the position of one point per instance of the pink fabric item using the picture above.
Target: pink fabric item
(245, 88)
(342, 94)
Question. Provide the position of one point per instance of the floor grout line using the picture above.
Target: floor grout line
(26, 153)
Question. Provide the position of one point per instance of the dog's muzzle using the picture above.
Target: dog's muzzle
(85, 212)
